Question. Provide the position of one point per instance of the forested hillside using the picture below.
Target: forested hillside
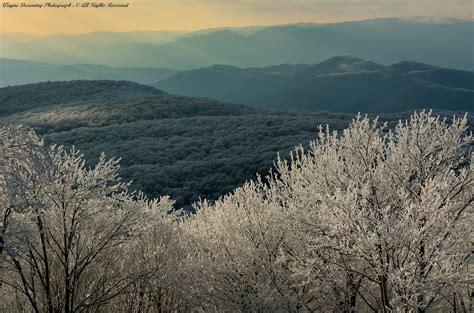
(339, 84)
(170, 145)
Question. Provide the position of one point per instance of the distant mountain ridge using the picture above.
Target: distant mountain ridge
(446, 42)
(19, 72)
(339, 84)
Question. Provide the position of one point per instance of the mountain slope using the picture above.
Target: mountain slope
(188, 148)
(340, 84)
(185, 147)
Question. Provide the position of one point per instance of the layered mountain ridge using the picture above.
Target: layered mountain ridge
(339, 84)
(445, 42)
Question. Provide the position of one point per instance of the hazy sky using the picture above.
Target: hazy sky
(198, 14)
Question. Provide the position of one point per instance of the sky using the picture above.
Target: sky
(200, 14)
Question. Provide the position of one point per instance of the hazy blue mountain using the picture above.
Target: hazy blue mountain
(245, 31)
(131, 37)
(107, 48)
(180, 146)
(339, 84)
(104, 36)
(18, 72)
(8, 39)
(447, 43)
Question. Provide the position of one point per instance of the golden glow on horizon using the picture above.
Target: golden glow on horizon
(199, 14)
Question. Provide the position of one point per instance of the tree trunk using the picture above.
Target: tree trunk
(47, 276)
(384, 295)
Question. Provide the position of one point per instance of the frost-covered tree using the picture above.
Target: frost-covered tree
(20, 151)
(233, 248)
(390, 211)
(368, 220)
(66, 228)
(156, 252)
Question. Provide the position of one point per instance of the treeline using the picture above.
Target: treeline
(364, 220)
(33, 96)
